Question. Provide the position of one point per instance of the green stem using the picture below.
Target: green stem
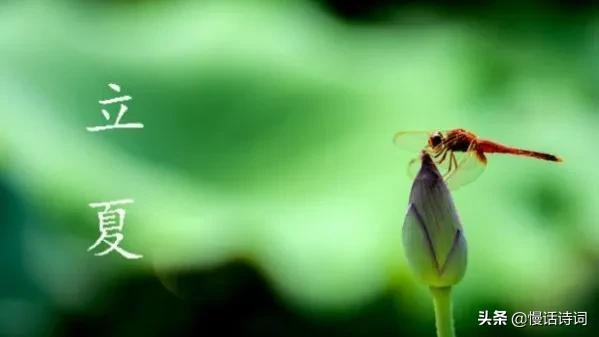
(443, 311)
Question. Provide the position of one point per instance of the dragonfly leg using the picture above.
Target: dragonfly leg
(451, 156)
(445, 151)
(453, 164)
(439, 153)
(455, 161)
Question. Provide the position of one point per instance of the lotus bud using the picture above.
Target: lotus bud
(433, 238)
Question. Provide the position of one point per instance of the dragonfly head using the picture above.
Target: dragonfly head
(435, 139)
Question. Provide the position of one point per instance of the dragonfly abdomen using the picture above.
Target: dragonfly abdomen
(492, 147)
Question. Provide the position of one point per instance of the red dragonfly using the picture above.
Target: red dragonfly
(458, 152)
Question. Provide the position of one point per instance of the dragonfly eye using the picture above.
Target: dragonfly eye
(436, 140)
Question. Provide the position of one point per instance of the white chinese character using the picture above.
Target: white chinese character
(111, 228)
(499, 317)
(483, 318)
(580, 318)
(565, 318)
(117, 121)
(535, 318)
(551, 318)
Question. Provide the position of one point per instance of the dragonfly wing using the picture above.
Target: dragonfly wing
(413, 167)
(469, 167)
(412, 141)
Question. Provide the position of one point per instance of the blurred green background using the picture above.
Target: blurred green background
(269, 197)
